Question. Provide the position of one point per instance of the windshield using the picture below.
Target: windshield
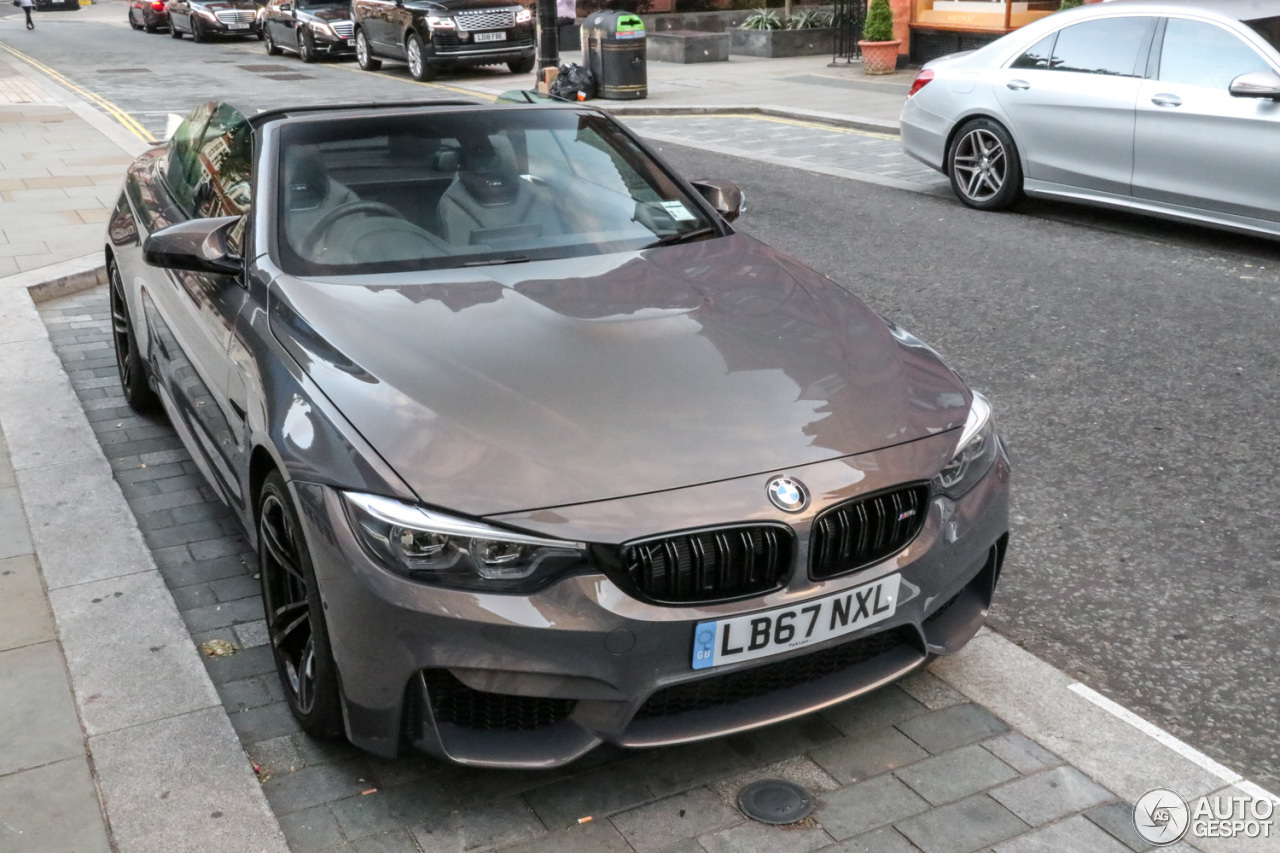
(448, 189)
(1268, 28)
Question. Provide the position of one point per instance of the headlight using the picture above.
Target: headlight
(974, 454)
(435, 22)
(524, 16)
(199, 10)
(457, 552)
(323, 29)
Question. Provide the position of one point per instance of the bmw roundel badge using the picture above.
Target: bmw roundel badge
(787, 494)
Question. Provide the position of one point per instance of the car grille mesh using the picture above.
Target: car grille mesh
(237, 16)
(489, 19)
(456, 703)
(762, 680)
(866, 531)
(343, 29)
(711, 565)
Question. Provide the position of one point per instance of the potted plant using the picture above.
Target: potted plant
(879, 47)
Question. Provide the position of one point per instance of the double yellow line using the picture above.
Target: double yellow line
(130, 123)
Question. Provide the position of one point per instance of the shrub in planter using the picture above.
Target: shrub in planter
(879, 47)
(762, 19)
(1070, 4)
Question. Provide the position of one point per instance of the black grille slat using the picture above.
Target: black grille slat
(712, 565)
(866, 531)
(456, 703)
(734, 687)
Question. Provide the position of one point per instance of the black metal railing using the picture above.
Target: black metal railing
(848, 19)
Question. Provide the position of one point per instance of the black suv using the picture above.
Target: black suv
(434, 34)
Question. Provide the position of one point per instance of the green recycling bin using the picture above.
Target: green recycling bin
(615, 53)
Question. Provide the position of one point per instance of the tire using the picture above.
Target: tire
(983, 163)
(296, 625)
(306, 46)
(174, 32)
(148, 26)
(364, 57)
(132, 25)
(130, 366)
(521, 66)
(197, 31)
(272, 48)
(419, 66)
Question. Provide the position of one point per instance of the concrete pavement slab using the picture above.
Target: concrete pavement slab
(1050, 795)
(42, 423)
(81, 527)
(1077, 835)
(962, 827)
(659, 825)
(129, 654)
(856, 758)
(25, 617)
(751, 837)
(52, 808)
(38, 722)
(182, 785)
(495, 824)
(14, 538)
(956, 774)
(869, 805)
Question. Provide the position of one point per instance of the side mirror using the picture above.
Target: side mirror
(197, 245)
(724, 196)
(286, 7)
(1257, 84)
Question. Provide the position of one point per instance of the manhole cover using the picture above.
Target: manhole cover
(775, 801)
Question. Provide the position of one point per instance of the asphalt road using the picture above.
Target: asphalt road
(1132, 364)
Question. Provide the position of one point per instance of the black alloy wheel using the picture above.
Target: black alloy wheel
(130, 366)
(521, 66)
(419, 66)
(364, 58)
(272, 48)
(306, 46)
(295, 614)
(983, 163)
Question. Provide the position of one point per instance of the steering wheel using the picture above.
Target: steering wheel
(342, 211)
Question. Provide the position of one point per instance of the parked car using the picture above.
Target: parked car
(149, 15)
(57, 5)
(536, 450)
(309, 28)
(207, 18)
(1167, 108)
(431, 35)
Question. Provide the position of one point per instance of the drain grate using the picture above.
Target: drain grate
(775, 801)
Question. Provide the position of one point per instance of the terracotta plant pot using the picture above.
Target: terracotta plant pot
(879, 57)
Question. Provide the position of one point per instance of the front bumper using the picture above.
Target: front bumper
(327, 45)
(539, 680)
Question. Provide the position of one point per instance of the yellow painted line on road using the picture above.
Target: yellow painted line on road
(129, 122)
(830, 128)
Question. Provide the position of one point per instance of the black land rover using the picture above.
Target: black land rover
(431, 35)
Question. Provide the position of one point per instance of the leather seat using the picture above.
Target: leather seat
(490, 203)
(309, 193)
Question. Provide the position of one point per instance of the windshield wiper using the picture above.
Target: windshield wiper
(496, 261)
(683, 236)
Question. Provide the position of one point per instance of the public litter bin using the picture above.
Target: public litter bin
(615, 51)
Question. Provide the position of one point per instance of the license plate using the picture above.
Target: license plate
(237, 26)
(491, 36)
(758, 635)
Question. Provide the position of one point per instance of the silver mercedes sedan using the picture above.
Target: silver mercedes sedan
(1171, 109)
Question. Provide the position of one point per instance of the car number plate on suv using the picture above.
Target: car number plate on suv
(491, 36)
(758, 635)
(237, 26)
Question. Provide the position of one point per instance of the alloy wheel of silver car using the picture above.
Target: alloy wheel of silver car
(295, 621)
(984, 167)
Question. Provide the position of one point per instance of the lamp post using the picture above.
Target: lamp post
(548, 36)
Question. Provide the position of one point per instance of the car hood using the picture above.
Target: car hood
(497, 389)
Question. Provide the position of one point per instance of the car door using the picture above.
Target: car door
(373, 20)
(1070, 99)
(191, 315)
(284, 20)
(178, 15)
(1197, 145)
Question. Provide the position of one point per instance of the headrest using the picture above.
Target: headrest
(305, 179)
(489, 170)
(445, 160)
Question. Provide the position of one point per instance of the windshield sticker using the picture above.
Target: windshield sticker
(678, 211)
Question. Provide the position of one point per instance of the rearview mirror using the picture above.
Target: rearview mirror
(197, 245)
(1257, 84)
(724, 196)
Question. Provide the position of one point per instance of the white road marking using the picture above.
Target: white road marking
(1195, 756)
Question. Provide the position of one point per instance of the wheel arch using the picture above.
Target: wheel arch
(964, 120)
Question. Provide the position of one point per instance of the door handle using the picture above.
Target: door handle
(1018, 85)
(1166, 100)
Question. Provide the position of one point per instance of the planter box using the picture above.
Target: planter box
(687, 46)
(773, 44)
